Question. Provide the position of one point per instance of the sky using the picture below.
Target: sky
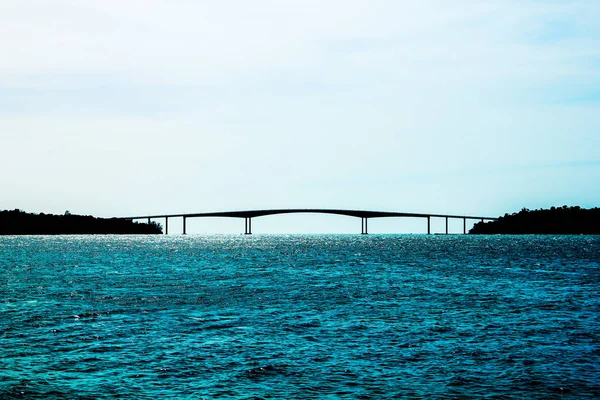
(131, 107)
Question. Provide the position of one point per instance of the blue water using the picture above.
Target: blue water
(340, 316)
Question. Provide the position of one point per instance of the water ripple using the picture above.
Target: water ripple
(336, 316)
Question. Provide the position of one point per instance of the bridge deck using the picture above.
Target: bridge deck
(349, 213)
(362, 214)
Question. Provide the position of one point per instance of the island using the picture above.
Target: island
(554, 221)
(17, 222)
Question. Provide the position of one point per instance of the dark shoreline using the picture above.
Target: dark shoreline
(17, 222)
(554, 221)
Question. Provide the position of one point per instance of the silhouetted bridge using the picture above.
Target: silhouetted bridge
(363, 215)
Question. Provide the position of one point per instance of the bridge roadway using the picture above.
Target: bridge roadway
(363, 215)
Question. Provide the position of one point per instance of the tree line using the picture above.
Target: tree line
(555, 220)
(17, 222)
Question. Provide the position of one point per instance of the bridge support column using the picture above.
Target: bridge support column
(464, 226)
(148, 220)
(184, 226)
(248, 226)
(166, 225)
(446, 225)
(429, 225)
(364, 229)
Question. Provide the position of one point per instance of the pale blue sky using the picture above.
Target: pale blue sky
(125, 107)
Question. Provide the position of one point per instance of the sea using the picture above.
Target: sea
(300, 317)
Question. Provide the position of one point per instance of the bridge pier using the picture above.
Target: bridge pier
(464, 226)
(166, 225)
(446, 225)
(148, 220)
(248, 226)
(429, 225)
(363, 226)
(184, 225)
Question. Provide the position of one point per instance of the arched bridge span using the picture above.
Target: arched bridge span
(364, 215)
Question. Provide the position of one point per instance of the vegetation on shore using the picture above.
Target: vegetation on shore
(17, 222)
(556, 220)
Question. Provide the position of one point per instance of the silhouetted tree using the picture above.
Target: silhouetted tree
(556, 220)
(17, 222)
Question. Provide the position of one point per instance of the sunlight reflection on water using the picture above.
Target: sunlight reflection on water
(300, 316)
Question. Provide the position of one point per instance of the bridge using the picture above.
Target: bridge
(363, 215)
